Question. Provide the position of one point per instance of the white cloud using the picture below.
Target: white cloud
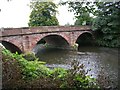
(16, 14)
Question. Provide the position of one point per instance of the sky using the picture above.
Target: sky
(16, 14)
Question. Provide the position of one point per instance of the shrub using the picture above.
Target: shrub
(11, 71)
(30, 56)
(77, 78)
(35, 71)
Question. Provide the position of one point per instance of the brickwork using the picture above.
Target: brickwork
(26, 38)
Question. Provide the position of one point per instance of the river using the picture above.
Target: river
(100, 60)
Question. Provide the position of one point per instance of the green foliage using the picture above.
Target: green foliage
(30, 69)
(74, 78)
(82, 11)
(11, 71)
(30, 56)
(8, 54)
(34, 69)
(43, 14)
(77, 78)
(59, 73)
(83, 20)
(107, 24)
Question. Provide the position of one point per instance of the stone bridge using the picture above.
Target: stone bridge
(26, 38)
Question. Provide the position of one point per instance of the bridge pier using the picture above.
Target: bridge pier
(74, 46)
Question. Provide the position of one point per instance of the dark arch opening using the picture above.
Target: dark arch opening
(51, 47)
(42, 41)
(54, 40)
(11, 47)
(51, 43)
(85, 39)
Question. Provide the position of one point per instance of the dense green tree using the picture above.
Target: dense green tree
(43, 14)
(107, 24)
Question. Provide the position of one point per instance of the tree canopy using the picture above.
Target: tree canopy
(105, 22)
(82, 11)
(43, 14)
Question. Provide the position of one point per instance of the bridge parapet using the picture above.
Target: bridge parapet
(42, 29)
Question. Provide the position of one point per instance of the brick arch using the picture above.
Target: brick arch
(80, 34)
(58, 36)
(17, 41)
(84, 33)
(38, 37)
(11, 46)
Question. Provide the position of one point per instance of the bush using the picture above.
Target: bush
(30, 56)
(35, 74)
(11, 71)
(77, 78)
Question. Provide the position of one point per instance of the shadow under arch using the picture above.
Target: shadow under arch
(11, 47)
(51, 42)
(54, 40)
(85, 39)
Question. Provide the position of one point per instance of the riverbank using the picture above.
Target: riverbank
(21, 73)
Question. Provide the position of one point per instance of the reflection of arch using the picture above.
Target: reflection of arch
(55, 40)
(13, 48)
(85, 39)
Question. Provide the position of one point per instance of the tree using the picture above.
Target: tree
(107, 24)
(82, 11)
(83, 19)
(43, 14)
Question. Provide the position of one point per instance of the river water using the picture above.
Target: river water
(98, 59)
